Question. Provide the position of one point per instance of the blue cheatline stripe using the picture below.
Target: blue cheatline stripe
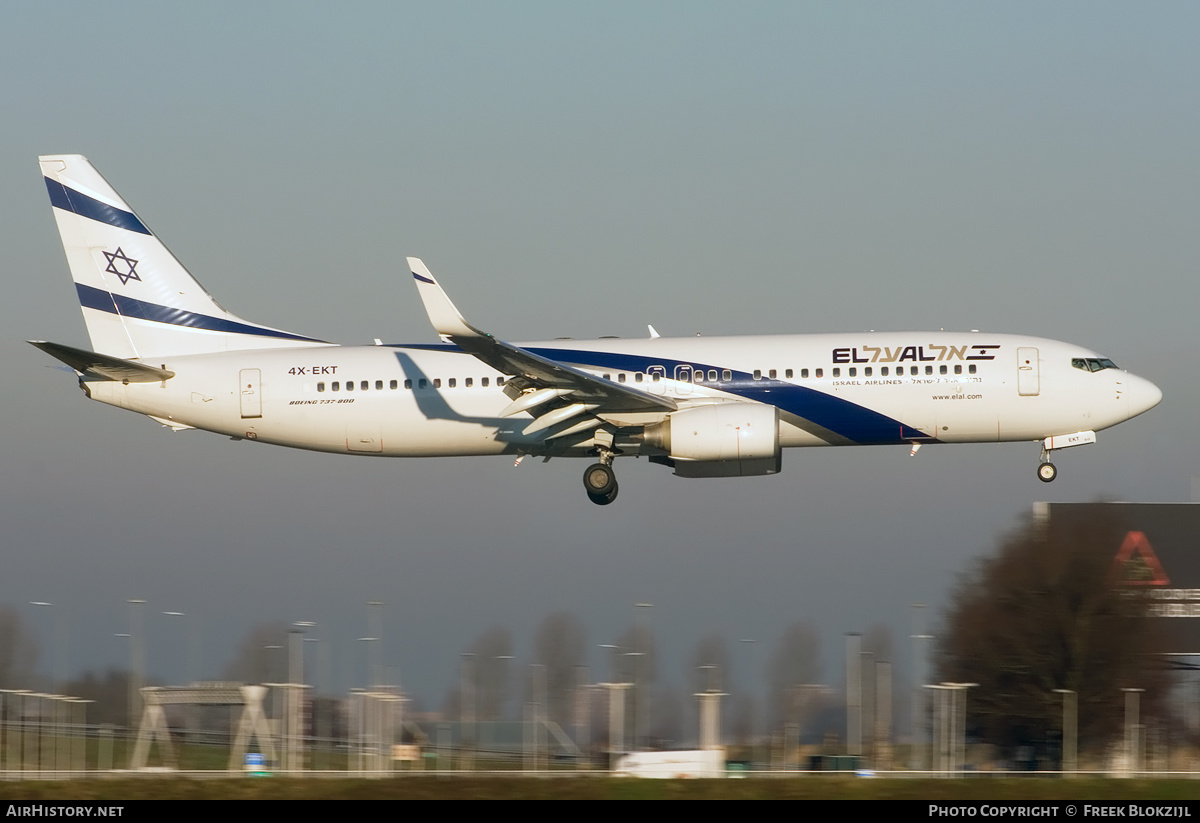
(838, 415)
(70, 200)
(93, 298)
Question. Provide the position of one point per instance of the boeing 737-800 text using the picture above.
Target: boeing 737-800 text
(704, 406)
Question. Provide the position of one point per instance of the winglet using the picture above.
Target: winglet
(446, 319)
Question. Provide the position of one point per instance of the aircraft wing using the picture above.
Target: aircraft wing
(104, 366)
(550, 380)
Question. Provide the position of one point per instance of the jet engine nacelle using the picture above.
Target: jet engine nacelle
(721, 440)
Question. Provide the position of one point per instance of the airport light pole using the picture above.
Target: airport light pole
(1069, 729)
(466, 709)
(1133, 729)
(616, 706)
(641, 706)
(710, 710)
(748, 643)
(919, 705)
(958, 700)
(137, 655)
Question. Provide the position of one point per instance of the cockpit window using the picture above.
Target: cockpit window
(1092, 363)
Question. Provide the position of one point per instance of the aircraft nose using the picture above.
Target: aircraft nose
(1141, 395)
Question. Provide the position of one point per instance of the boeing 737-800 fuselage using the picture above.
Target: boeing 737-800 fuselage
(706, 406)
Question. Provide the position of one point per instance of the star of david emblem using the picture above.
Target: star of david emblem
(127, 270)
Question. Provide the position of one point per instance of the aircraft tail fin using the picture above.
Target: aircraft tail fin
(137, 299)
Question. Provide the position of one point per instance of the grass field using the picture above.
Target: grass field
(601, 788)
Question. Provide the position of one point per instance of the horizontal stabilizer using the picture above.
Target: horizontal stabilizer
(103, 366)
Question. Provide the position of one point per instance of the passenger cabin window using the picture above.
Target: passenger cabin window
(758, 374)
(320, 387)
(336, 385)
(727, 375)
(971, 369)
(820, 372)
(771, 374)
(422, 383)
(787, 373)
(484, 382)
(867, 371)
(364, 385)
(379, 385)
(349, 385)
(804, 372)
(451, 383)
(837, 372)
(853, 371)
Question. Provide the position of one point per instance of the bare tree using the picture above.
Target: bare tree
(878, 642)
(493, 670)
(109, 693)
(666, 717)
(637, 663)
(795, 663)
(1046, 612)
(561, 647)
(262, 655)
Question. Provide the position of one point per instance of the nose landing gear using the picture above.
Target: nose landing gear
(1047, 471)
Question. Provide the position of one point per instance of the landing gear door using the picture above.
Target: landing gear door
(251, 392)
(1028, 381)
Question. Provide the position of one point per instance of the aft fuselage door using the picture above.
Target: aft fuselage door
(251, 392)
(1028, 381)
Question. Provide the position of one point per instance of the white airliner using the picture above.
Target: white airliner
(705, 406)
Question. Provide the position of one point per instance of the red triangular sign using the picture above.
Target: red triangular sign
(1136, 564)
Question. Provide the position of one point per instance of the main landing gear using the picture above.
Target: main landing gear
(600, 481)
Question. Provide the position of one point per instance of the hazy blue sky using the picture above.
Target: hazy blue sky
(583, 169)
